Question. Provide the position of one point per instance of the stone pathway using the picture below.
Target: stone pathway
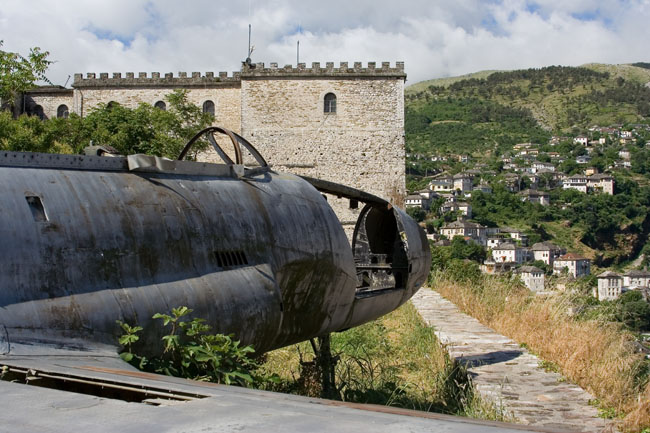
(507, 374)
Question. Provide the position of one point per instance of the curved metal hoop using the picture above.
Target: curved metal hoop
(236, 139)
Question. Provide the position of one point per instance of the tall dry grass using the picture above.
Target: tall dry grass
(597, 355)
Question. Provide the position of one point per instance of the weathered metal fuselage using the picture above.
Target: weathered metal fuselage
(90, 240)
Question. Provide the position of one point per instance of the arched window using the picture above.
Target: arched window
(208, 107)
(38, 111)
(330, 103)
(62, 111)
(111, 104)
(160, 105)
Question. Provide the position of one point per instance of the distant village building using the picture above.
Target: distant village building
(601, 183)
(491, 267)
(581, 139)
(547, 252)
(583, 159)
(542, 166)
(442, 184)
(463, 182)
(463, 208)
(483, 187)
(515, 234)
(610, 286)
(532, 277)
(574, 264)
(494, 240)
(418, 201)
(577, 182)
(636, 279)
(508, 252)
(535, 196)
(466, 229)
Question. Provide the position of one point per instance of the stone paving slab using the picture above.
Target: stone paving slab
(507, 374)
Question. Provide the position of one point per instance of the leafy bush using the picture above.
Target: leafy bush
(192, 352)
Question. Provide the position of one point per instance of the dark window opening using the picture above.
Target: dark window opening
(208, 107)
(62, 112)
(111, 105)
(330, 103)
(38, 111)
(160, 105)
(36, 206)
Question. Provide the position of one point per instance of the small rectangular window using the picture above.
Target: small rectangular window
(36, 206)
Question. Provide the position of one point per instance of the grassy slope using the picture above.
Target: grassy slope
(395, 360)
(445, 82)
(550, 107)
(597, 355)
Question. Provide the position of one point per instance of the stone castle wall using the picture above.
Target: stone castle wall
(280, 111)
(49, 98)
(360, 145)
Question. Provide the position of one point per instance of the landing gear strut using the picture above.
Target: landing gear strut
(325, 364)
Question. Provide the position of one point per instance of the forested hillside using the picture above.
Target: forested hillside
(472, 125)
(491, 114)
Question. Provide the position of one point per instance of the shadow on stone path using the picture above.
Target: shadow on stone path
(507, 374)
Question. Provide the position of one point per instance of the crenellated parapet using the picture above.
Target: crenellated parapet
(344, 70)
(252, 70)
(155, 79)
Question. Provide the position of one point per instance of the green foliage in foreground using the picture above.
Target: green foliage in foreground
(191, 351)
(144, 129)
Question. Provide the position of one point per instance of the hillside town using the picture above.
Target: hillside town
(532, 172)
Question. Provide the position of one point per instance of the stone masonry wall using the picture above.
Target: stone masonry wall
(49, 100)
(361, 145)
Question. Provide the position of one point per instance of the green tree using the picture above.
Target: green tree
(147, 129)
(19, 73)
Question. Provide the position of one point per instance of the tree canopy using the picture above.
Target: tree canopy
(19, 73)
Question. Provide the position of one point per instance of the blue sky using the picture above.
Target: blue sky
(433, 38)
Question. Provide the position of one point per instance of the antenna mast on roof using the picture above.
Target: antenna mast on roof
(249, 43)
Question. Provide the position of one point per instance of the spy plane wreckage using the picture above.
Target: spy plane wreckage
(88, 240)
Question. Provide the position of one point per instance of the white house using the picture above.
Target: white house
(581, 139)
(535, 196)
(461, 206)
(442, 184)
(466, 229)
(417, 200)
(547, 252)
(532, 277)
(542, 166)
(508, 252)
(575, 265)
(636, 279)
(610, 286)
(577, 182)
(463, 182)
(515, 234)
(601, 183)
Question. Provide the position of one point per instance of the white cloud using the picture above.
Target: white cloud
(434, 38)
